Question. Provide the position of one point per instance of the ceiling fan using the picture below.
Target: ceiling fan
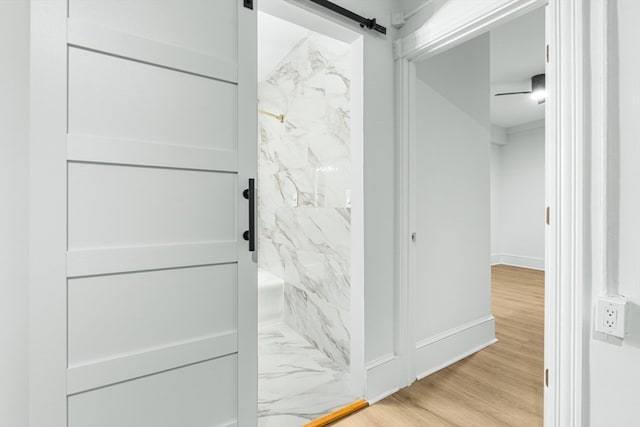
(537, 92)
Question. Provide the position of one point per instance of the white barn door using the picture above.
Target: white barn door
(144, 138)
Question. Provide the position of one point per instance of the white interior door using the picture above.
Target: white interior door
(451, 291)
(158, 293)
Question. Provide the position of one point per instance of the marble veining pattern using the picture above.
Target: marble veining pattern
(304, 181)
(297, 382)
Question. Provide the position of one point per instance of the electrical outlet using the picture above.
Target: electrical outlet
(611, 315)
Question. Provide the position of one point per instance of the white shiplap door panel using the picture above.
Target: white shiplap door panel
(91, 262)
(87, 148)
(86, 34)
(140, 160)
(101, 373)
(153, 309)
(123, 98)
(203, 394)
(206, 26)
(122, 206)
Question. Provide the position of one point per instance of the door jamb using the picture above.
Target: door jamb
(566, 27)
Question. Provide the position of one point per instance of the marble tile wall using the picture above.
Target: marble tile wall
(304, 181)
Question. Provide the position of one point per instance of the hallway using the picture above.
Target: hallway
(498, 386)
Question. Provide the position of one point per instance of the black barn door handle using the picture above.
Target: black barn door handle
(250, 234)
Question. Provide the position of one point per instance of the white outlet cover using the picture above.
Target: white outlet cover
(611, 315)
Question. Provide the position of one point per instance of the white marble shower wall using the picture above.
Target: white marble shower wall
(304, 172)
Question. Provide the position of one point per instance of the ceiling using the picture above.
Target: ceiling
(276, 38)
(517, 53)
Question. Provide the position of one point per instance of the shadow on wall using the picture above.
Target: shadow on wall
(633, 327)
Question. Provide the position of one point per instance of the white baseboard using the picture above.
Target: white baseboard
(444, 349)
(382, 378)
(518, 261)
(496, 259)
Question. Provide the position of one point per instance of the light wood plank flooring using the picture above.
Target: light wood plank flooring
(501, 385)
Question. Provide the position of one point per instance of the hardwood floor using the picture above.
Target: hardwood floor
(501, 385)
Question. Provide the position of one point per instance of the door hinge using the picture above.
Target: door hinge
(547, 53)
(546, 377)
(548, 215)
(248, 4)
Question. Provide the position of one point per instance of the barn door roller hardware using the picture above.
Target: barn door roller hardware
(364, 22)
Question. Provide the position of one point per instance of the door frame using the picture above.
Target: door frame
(566, 30)
(48, 400)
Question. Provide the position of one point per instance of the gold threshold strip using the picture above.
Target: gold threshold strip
(338, 414)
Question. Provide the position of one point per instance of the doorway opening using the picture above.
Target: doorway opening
(518, 202)
(450, 211)
(310, 219)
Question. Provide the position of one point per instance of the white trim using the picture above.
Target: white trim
(444, 349)
(89, 262)
(48, 215)
(535, 124)
(437, 35)
(496, 259)
(382, 378)
(599, 137)
(130, 366)
(417, 9)
(89, 148)
(454, 331)
(564, 340)
(357, 309)
(551, 395)
(89, 35)
(518, 261)
(404, 328)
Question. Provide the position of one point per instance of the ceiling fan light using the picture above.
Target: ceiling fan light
(538, 87)
(539, 94)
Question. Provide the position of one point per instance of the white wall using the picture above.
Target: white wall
(14, 152)
(518, 184)
(453, 290)
(615, 369)
(379, 181)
